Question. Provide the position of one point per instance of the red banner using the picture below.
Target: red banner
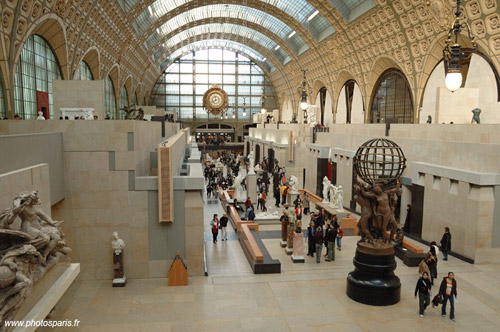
(42, 104)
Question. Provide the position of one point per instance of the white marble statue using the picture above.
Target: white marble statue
(40, 116)
(117, 244)
(251, 158)
(208, 158)
(332, 195)
(326, 184)
(258, 168)
(219, 165)
(239, 193)
(294, 183)
(340, 198)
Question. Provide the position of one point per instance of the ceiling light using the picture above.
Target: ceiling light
(277, 48)
(158, 30)
(292, 34)
(264, 59)
(455, 56)
(313, 15)
(150, 10)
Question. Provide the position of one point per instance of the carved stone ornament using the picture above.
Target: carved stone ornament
(439, 10)
(215, 100)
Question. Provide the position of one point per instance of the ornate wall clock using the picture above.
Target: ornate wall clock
(215, 100)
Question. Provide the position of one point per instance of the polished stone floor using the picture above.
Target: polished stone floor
(304, 297)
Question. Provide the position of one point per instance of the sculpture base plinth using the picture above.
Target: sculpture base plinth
(120, 282)
(373, 281)
(289, 251)
(298, 258)
(283, 244)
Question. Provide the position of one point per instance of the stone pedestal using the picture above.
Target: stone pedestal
(373, 281)
(289, 243)
(291, 197)
(251, 180)
(120, 280)
(284, 233)
(298, 248)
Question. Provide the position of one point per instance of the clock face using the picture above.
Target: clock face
(216, 99)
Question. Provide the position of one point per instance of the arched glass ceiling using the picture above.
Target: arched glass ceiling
(301, 10)
(217, 43)
(220, 30)
(351, 9)
(256, 16)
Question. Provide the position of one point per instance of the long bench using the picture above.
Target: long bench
(237, 222)
(250, 244)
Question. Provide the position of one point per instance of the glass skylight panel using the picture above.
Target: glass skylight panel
(300, 10)
(230, 29)
(200, 46)
(351, 9)
(258, 17)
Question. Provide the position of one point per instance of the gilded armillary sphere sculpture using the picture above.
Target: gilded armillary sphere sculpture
(215, 100)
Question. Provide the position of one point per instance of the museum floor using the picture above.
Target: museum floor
(304, 297)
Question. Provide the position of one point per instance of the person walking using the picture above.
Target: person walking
(340, 235)
(223, 226)
(446, 243)
(306, 203)
(331, 235)
(259, 200)
(311, 248)
(318, 240)
(264, 197)
(448, 291)
(423, 288)
(209, 190)
(277, 196)
(215, 227)
(432, 263)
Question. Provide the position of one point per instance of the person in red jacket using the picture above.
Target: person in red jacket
(340, 235)
(215, 227)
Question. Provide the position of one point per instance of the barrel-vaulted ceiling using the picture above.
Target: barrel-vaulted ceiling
(272, 32)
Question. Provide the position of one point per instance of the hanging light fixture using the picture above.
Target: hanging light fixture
(263, 110)
(244, 107)
(303, 96)
(455, 55)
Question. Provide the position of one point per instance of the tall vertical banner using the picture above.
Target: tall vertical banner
(42, 104)
(165, 185)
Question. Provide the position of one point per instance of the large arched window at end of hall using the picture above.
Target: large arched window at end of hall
(123, 102)
(110, 98)
(83, 73)
(182, 85)
(36, 69)
(391, 99)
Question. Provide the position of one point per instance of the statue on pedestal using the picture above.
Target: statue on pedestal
(294, 183)
(239, 193)
(475, 117)
(326, 185)
(118, 245)
(378, 166)
(251, 158)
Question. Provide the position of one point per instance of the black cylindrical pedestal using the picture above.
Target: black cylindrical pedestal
(373, 281)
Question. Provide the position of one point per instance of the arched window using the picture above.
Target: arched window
(2, 98)
(182, 85)
(83, 72)
(36, 69)
(136, 100)
(110, 98)
(392, 100)
(123, 101)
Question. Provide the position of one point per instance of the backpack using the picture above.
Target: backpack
(251, 215)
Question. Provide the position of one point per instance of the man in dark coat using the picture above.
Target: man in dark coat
(446, 243)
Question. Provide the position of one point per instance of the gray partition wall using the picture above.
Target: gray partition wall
(20, 151)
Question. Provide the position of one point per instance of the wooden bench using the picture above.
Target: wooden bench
(233, 214)
(410, 246)
(250, 244)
